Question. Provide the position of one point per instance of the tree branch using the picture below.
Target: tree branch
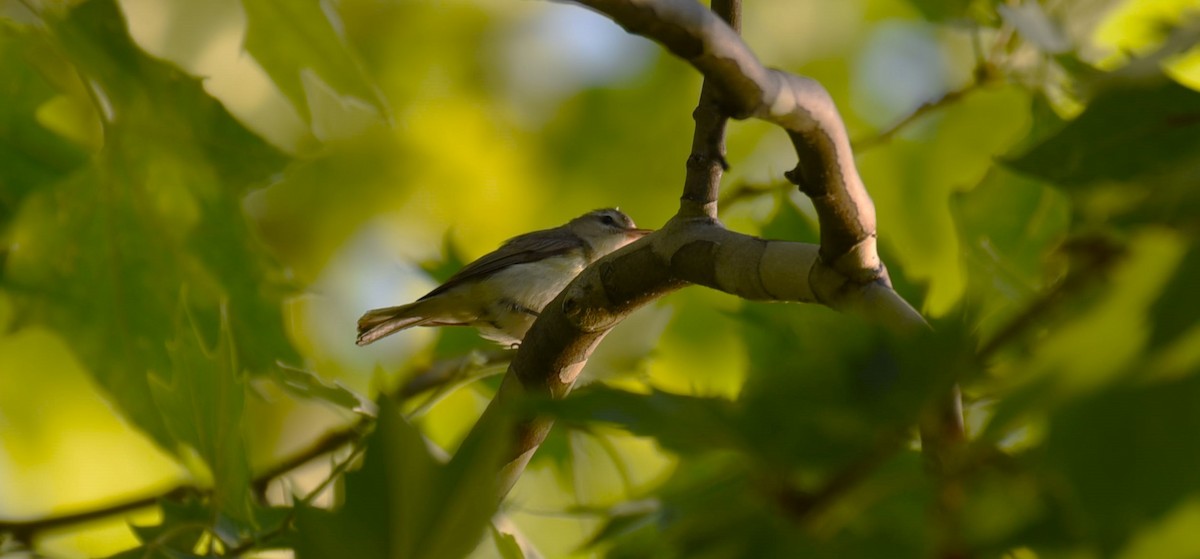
(706, 164)
(25, 530)
(800, 105)
(844, 272)
(437, 374)
(947, 99)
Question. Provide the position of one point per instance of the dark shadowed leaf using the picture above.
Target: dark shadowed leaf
(402, 503)
(106, 252)
(381, 513)
(1124, 457)
(189, 511)
(202, 400)
(1173, 315)
(825, 389)
(1134, 150)
(31, 156)
(682, 423)
(155, 552)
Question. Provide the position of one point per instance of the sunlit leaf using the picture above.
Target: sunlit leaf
(913, 179)
(789, 224)
(507, 545)
(290, 37)
(1008, 225)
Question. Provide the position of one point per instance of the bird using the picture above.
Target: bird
(504, 291)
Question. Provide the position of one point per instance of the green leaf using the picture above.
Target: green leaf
(720, 506)
(789, 224)
(506, 544)
(1125, 457)
(308, 384)
(1134, 150)
(31, 155)
(290, 37)
(1172, 314)
(913, 178)
(152, 100)
(189, 520)
(825, 389)
(681, 423)
(466, 490)
(183, 523)
(942, 10)
(402, 503)
(1008, 225)
(1130, 131)
(104, 254)
(624, 523)
(154, 552)
(202, 400)
(373, 522)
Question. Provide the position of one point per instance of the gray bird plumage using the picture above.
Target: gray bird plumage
(502, 292)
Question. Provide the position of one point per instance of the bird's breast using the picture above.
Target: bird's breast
(534, 284)
(515, 295)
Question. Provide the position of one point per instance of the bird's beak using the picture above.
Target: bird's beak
(638, 233)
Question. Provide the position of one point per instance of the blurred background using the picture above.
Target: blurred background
(238, 181)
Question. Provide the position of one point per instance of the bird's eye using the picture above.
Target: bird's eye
(608, 220)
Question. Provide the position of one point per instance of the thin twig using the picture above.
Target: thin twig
(307, 500)
(1096, 256)
(25, 530)
(706, 164)
(743, 191)
(951, 97)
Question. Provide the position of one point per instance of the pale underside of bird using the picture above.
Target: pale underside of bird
(502, 293)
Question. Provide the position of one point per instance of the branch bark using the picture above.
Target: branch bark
(844, 272)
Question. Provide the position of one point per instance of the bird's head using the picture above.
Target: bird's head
(606, 230)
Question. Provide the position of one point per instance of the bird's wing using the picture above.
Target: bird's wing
(529, 247)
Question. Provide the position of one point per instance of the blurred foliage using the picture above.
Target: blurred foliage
(196, 205)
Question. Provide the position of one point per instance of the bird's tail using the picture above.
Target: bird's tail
(378, 323)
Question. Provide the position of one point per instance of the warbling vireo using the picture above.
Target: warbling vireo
(503, 291)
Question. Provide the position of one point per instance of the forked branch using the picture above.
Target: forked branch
(693, 247)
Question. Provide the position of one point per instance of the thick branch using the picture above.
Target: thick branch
(562, 339)
(844, 272)
(800, 105)
(706, 164)
(686, 250)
